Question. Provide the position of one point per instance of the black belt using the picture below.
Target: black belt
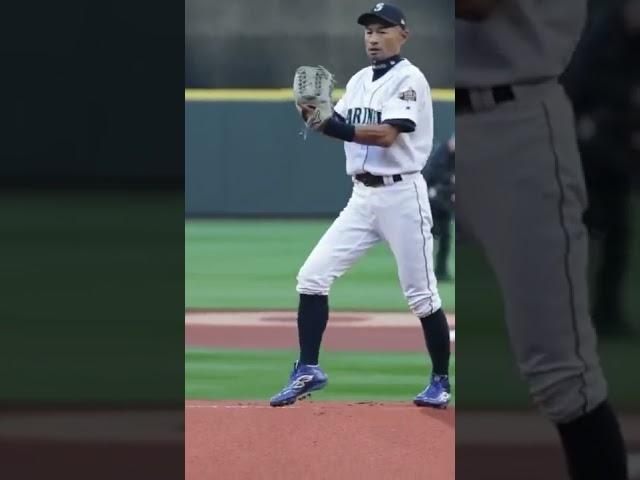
(371, 180)
(500, 94)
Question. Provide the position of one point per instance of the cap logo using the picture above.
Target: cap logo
(378, 7)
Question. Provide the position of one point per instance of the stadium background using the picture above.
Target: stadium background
(258, 197)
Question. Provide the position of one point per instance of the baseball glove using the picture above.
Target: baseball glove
(313, 86)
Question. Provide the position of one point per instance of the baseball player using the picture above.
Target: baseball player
(521, 195)
(439, 174)
(385, 119)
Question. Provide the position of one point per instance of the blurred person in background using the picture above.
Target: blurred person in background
(439, 174)
(603, 82)
(523, 200)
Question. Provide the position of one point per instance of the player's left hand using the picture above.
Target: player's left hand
(312, 87)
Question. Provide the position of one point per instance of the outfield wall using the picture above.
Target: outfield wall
(244, 156)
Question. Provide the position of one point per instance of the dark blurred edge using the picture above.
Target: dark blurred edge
(499, 433)
(92, 229)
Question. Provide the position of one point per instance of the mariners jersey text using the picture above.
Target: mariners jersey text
(363, 116)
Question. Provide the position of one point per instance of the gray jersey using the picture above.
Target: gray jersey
(522, 41)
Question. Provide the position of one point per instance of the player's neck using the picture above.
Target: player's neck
(380, 67)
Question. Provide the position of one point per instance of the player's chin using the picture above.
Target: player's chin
(374, 54)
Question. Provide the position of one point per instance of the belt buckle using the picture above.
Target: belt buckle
(364, 179)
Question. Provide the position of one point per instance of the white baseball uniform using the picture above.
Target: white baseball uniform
(396, 212)
(522, 193)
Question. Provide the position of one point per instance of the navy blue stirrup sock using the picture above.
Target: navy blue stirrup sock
(313, 313)
(436, 334)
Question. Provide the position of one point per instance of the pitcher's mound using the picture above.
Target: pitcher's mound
(318, 440)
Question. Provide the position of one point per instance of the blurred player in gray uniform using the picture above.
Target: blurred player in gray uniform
(522, 197)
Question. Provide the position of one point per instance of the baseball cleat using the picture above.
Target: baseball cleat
(437, 394)
(303, 380)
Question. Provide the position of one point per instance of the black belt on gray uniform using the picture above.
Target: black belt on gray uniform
(500, 94)
(371, 180)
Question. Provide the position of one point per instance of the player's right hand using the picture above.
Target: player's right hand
(306, 110)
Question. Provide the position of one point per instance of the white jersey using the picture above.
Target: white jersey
(522, 41)
(401, 93)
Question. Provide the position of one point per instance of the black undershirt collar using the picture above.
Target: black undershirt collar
(383, 66)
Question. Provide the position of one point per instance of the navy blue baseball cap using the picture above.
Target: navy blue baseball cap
(384, 13)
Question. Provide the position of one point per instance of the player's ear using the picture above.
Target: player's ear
(404, 33)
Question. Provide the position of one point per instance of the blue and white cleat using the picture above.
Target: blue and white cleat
(303, 380)
(436, 395)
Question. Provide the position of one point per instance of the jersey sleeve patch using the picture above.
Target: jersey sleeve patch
(409, 95)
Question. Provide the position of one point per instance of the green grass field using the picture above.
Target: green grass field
(64, 257)
(258, 374)
(239, 264)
